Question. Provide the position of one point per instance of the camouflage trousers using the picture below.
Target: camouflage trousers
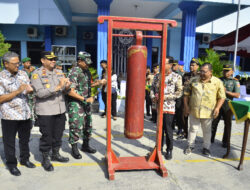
(80, 121)
(31, 103)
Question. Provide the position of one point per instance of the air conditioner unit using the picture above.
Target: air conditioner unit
(60, 31)
(206, 38)
(88, 35)
(32, 32)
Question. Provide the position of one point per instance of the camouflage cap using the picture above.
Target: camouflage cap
(26, 59)
(59, 63)
(194, 60)
(228, 67)
(85, 56)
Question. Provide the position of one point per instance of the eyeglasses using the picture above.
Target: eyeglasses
(203, 72)
(18, 63)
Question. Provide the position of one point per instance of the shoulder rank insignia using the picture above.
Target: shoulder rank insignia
(35, 76)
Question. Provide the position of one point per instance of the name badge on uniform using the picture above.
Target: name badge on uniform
(47, 85)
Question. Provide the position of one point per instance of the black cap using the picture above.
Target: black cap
(228, 67)
(195, 60)
(48, 55)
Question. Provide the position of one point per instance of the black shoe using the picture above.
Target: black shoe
(57, 157)
(75, 152)
(46, 162)
(28, 164)
(168, 155)
(14, 171)
(181, 137)
(148, 114)
(206, 152)
(87, 148)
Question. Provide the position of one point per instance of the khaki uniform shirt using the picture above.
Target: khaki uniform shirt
(204, 96)
(48, 101)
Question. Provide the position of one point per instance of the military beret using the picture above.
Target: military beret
(194, 60)
(85, 56)
(26, 59)
(181, 63)
(228, 67)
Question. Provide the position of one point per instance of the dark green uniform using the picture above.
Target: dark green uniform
(231, 85)
(80, 120)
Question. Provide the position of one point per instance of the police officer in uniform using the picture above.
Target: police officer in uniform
(232, 89)
(80, 120)
(194, 66)
(50, 85)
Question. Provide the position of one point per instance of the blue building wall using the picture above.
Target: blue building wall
(174, 43)
(19, 32)
(81, 42)
(70, 39)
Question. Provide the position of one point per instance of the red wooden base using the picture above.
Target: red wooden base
(154, 161)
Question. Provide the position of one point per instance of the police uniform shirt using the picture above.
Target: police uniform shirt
(48, 101)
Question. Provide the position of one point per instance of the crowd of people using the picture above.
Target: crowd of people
(43, 91)
(41, 94)
(194, 99)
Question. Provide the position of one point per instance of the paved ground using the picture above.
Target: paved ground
(185, 172)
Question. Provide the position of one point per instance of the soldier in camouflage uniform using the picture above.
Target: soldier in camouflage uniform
(232, 89)
(80, 120)
(31, 97)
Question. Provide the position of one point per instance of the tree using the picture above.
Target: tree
(214, 58)
(4, 47)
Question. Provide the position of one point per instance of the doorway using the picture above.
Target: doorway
(33, 51)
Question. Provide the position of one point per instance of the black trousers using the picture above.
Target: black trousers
(148, 102)
(104, 99)
(227, 116)
(113, 103)
(168, 130)
(51, 128)
(178, 119)
(9, 129)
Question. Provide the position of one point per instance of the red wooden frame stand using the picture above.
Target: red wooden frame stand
(154, 160)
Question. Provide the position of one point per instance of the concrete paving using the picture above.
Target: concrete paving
(184, 172)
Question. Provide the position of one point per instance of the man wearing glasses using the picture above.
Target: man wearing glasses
(50, 85)
(15, 112)
(203, 98)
